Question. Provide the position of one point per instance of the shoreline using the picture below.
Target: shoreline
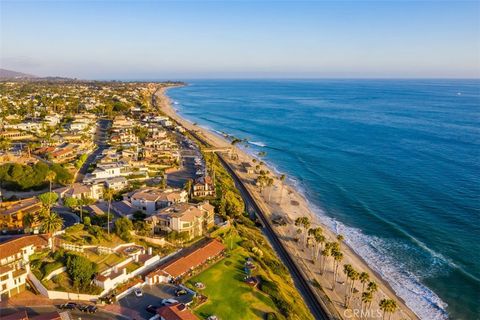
(303, 207)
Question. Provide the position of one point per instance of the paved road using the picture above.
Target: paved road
(101, 136)
(69, 218)
(315, 306)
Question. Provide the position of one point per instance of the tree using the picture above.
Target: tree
(337, 258)
(48, 199)
(84, 201)
(233, 205)
(28, 220)
(347, 269)
(87, 221)
(188, 187)
(70, 202)
(388, 306)
(123, 226)
(372, 287)
(326, 252)
(5, 144)
(50, 177)
(367, 298)
(364, 278)
(305, 223)
(81, 270)
(108, 196)
(50, 223)
(353, 276)
(317, 234)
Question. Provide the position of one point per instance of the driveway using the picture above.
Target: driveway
(152, 295)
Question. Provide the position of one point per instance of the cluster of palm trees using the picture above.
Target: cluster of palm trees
(314, 236)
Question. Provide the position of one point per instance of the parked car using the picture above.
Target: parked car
(138, 292)
(83, 307)
(168, 302)
(180, 292)
(152, 309)
(92, 309)
(68, 305)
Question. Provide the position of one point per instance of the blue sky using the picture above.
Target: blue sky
(247, 39)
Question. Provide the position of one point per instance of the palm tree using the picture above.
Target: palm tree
(354, 276)
(327, 252)
(337, 258)
(388, 306)
(51, 222)
(50, 177)
(108, 196)
(303, 222)
(28, 220)
(367, 298)
(364, 278)
(319, 238)
(347, 269)
(372, 287)
(282, 181)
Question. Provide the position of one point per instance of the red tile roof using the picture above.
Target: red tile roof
(176, 312)
(182, 265)
(13, 246)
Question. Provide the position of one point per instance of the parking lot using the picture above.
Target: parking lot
(152, 295)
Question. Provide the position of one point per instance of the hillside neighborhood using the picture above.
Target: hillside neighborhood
(107, 205)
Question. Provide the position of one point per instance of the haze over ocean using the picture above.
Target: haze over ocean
(391, 164)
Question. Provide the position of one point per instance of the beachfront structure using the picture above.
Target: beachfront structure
(150, 200)
(193, 219)
(14, 262)
(12, 214)
(203, 187)
(187, 262)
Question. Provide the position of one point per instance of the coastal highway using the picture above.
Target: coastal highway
(316, 307)
(314, 304)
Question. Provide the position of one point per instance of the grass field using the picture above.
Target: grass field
(228, 296)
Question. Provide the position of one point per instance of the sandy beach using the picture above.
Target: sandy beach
(283, 200)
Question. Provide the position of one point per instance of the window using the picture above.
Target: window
(3, 278)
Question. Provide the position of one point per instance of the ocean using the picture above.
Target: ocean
(393, 165)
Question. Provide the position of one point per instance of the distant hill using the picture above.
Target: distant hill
(9, 74)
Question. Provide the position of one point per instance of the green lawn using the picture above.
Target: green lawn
(228, 296)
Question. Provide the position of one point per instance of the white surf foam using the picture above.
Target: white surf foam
(257, 143)
(375, 251)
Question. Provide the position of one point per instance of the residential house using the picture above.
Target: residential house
(194, 219)
(12, 214)
(203, 187)
(16, 135)
(14, 262)
(186, 262)
(76, 190)
(116, 183)
(152, 199)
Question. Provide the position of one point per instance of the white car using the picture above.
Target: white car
(168, 302)
(138, 292)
